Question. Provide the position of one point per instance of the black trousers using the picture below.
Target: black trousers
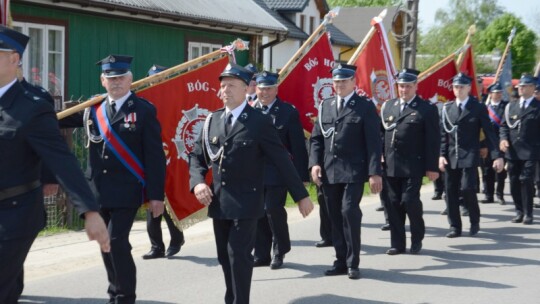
(121, 271)
(404, 200)
(464, 180)
(272, 228)
(12, 255)
(438, 185)
(521, 174)
(489, 177)
(344, 209)
(385, 199)
(325, 227)
(234, 242)
(153, 226)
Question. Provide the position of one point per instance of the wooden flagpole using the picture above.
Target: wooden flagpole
(470, 33)
(441, 63)
(503, 58)
(320, 30)
(146, 82)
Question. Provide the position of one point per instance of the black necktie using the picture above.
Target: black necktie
(341, 104)
(228, 123)
(522, 107)
(265, 108)
(460, 108)
(250, 98)
(403, 107)
(113, 108)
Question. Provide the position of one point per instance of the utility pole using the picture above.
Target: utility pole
(409, 35)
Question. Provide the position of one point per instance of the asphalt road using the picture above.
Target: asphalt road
(500, 265)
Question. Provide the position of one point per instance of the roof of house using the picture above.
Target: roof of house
(240, 15)
(287, 5)
(339, 38)
(355, 22)
(293, 31)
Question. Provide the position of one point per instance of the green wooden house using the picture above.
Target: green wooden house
(69, 36)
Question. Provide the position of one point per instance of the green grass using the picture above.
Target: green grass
(54, 230)
(312, 190)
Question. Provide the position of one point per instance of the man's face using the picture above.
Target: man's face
(496, 96)
(267, 94)
(9, 62)
(344, 87)
(407, 90)
(461, 91)
(526, 91)
(233, 92)
(117, 87)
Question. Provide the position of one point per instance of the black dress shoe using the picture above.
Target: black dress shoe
(277, 262)
(527, 220)
(436, 197)
(517, 219)
(474, 229)
(416, 247)
(487, 201)
(501, 200)
(153, 254)
(444, 212)
(453, 234)
(335, 271)
(380, 208)
(353, 273)
(172, 250)
(385, 227)
(260, 263)
(323, 243)
(394, 251)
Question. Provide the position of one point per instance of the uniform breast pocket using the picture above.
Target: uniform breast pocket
(243, 143)
(353, 120)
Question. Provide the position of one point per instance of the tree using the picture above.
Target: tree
(495, 36)
(362, 3)
(450, 30)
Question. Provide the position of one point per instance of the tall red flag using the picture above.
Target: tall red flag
(437, 86)
(467, 66)
(375, 66)
(182, 105)
(310, 81)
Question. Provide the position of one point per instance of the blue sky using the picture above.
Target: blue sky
(527, 10)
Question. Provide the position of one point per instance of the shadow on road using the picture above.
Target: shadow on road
(328, 298)
(57, 300)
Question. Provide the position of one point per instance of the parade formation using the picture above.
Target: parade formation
(339, 126)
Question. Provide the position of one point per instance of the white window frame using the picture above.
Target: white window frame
(25, 26)
(200, 45)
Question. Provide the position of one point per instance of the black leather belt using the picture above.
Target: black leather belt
(18, 190)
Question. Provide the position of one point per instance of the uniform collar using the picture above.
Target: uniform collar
(5, 88)
(236, 111)
(120, 101)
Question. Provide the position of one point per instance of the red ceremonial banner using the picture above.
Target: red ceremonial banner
(182, 105)
(310, 81)
(437, 87)
(468, 67)
(375, 67)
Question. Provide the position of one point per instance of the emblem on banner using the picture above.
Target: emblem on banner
(322, 89)
(188, 130)
(380, 87)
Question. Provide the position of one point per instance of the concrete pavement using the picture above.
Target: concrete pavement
(500, 265)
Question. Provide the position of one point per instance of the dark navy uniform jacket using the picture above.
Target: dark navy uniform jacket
(472, 119)
(113, 184)
(286, 120)
(498, 110)
(355, 151)
(412, 147)
(29, 134)
(238, 176)
(524, 139)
